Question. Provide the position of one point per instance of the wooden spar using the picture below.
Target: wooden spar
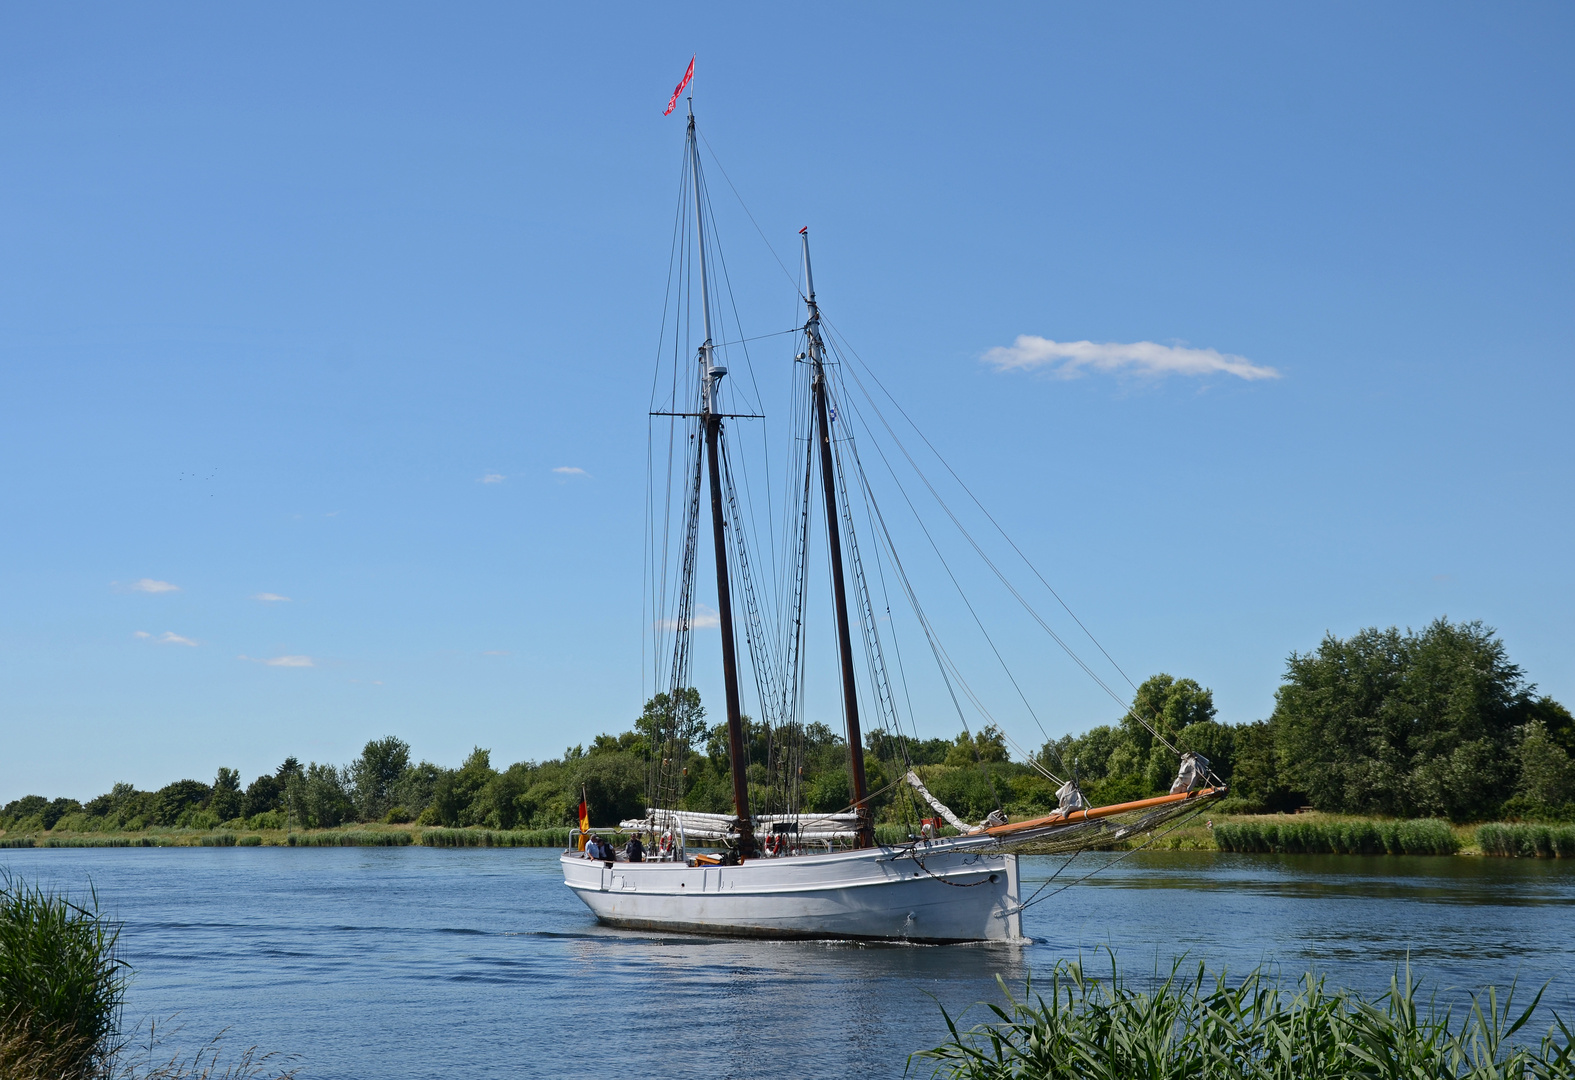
(710, 376)
(724, 611)
(1097, 812)
(850, 693)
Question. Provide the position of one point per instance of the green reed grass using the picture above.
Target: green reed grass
(496, 838)
(61, 984)
(1423, 836)
(1527, 840)
(1203, 1027)
(351, 838)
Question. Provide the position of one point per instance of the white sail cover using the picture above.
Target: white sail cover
(941, 808)
(1193, 772)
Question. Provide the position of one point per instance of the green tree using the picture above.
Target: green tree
(319, 797)
(988, 746)
(413, 791)
(614, 786)
(226, 801)
(1403, 724)
(263, 794)
(1255, 770)
(672, 721)
(1547, 775)
(455, 793)
(175, 801)
(1167, 705)
(374, 774)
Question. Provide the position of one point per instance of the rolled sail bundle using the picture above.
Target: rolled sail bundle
(694, 825)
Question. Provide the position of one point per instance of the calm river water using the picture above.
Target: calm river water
(373, 963)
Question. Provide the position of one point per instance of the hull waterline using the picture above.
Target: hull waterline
(935, 893)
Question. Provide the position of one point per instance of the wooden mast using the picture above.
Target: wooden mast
(710, 376)
(850, 697)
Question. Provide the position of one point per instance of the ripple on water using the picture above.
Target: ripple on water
(415, 962)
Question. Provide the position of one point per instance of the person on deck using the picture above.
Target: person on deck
(634, 849)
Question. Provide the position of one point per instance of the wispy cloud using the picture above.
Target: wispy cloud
(570, 470)
(169, 637)
(271, 598)
(1070, 359)
(492, 478)
(704, 618)
(280, 661)
(147, 585)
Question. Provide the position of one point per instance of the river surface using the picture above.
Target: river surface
(373, 963)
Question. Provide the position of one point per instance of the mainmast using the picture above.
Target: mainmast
(710, 416)
(850, 697)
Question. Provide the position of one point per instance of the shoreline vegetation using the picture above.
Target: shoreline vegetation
(1277, 834)
(1400, 743)
(1195, 1023)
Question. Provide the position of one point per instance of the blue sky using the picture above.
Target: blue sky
(281, 287)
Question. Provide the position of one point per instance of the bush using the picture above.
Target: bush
(271, 819)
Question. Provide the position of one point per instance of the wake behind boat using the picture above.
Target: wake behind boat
(773, 868)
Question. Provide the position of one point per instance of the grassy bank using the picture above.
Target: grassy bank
(1201, 1025)
(347, 836)
(1263, 833)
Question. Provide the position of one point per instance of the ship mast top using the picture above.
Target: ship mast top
(711, 419)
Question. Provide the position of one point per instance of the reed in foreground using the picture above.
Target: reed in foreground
(1201, 1027)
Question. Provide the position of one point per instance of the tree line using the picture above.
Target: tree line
(1402, 724)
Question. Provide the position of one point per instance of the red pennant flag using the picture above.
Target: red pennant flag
(673, 104)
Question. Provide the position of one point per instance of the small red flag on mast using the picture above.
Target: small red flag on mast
(673, 104)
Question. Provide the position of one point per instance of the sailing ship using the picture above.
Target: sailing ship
(773, 868)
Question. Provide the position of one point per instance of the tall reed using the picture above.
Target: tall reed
(61, 984)
(350, 838)
(496, 838)
(1202, 1027)
(1528, 840)
(1423, 836)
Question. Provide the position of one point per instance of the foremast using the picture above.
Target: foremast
(815, 351)
(711, 418)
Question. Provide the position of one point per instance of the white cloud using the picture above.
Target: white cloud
(169, 637)
(704, 618)
(492, 478)
(147, 585)
(271, 598)
(1069, 359)
(280, 661)
(570, 470)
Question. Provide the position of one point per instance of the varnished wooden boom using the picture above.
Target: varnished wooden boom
(1093, 813)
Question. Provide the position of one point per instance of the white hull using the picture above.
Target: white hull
(940, 892)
